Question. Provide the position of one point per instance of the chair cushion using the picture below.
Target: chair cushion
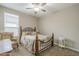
(5, 45)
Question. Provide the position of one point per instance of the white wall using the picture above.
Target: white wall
(63, 23)
(25, 20)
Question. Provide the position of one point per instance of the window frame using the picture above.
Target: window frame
(12, 15)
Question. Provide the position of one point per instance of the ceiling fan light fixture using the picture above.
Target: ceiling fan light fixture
(36, 9)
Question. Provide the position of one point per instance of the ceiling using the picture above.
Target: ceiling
(50, 7)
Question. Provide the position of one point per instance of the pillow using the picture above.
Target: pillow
(23, 33)
(33, 33)
(26, 33)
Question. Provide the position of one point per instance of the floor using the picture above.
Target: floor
(53, 51)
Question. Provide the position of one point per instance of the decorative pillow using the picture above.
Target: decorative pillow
(33, 33)
(23, 33)
(26, 33)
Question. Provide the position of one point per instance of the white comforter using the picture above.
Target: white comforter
(28, 40)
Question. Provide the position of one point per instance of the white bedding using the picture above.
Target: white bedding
(28, 40)
(44, 38)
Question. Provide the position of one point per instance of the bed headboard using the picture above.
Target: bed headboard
(28, 29)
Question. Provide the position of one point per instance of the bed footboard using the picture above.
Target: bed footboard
(52, 38)
(38, 44)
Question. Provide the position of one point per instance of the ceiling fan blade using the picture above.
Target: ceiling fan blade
(35, 3)
(43, 10)
(28, 8)
(43, 4)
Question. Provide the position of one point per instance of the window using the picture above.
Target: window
(11, 23)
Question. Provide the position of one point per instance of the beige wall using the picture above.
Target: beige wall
(63, 23)
(1, 19)
(25, 20)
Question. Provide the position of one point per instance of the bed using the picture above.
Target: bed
(35, 42)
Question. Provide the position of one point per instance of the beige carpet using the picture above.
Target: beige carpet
(53, 51)
(21, 51)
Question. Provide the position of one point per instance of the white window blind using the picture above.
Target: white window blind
(11, 23)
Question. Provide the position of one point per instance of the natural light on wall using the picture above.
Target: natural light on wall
(11, 23)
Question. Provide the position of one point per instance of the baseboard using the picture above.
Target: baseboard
(55, 44)
(73, 49)
(68, 47)
(59, 45)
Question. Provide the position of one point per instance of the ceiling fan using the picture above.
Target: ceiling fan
(37, 7)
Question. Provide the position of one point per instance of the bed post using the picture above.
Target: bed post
(52, 42)
(20, 35)
(36, 45)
